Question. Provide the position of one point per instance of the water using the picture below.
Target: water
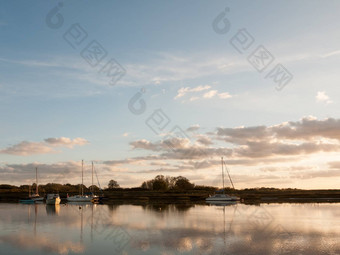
(170, 229)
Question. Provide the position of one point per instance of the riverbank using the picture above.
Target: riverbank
(246, 195)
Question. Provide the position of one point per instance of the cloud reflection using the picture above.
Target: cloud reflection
(26, 241)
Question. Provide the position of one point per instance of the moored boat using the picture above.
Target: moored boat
(220, 198)
(35, 196)
(81, 197)
(53, 199)
(26, 201)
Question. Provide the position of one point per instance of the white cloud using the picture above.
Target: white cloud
(322, 97)
(203, 95)
(224, 95)
(210, 94)
(183, 91)
(126, 134)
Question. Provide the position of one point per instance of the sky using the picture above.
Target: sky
(168, 88)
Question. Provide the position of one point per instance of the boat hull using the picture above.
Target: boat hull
(26, 201)
(79, 199)
(37, 199)
(53, 201)
(222, 198)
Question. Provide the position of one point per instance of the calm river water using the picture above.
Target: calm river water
(170, 229)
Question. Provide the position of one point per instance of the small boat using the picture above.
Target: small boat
(81, 197)
(53, 199)
(221, 198)
(27, 200)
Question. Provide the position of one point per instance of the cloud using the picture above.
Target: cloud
(26, 148)
(330, 54)
(210, 94)
(334, 164)
(248, 145)
(64, 141)
(268, 149)
(183, 91)
(224, 95)
(321, 97)
(200, 93)
(193, 128)
(316, 174)
(165, 67)
(308, 128)
(204, 140)
(26, 241)
(126, 134)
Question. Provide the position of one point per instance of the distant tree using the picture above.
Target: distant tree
(183, 183)
(113, 184)
(147, 185)
(167, 183)
(94, 188)
(160, 183)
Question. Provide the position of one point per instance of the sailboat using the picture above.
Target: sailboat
(28, 200)
(220, 198)
(35, 196)
(81, 197)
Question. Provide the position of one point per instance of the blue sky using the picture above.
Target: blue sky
(57, 109)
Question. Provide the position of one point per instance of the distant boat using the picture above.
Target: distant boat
(27, 200)
(220, 198)
(81, 197)
(35, 196)
(53, 199)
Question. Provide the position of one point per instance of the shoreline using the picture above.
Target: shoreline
(247, 196)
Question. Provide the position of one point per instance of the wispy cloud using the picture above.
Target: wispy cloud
(200, 92)
(183, 91)
(26, 148)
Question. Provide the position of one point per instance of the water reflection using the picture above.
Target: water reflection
(170, 229)
(53, 209)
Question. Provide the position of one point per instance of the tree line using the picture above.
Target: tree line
(159, 183)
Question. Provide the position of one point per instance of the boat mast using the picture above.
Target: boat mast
(222, 175)
(82, 178)
(36, 180)
(232, 184)
(92, 179)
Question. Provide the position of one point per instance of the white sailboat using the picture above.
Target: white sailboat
(35, 196)
(53, 199)
(81, 197)
(221, 198)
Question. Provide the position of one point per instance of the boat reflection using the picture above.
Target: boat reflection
(53, 209)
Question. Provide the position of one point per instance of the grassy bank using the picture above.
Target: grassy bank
(247, 195)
